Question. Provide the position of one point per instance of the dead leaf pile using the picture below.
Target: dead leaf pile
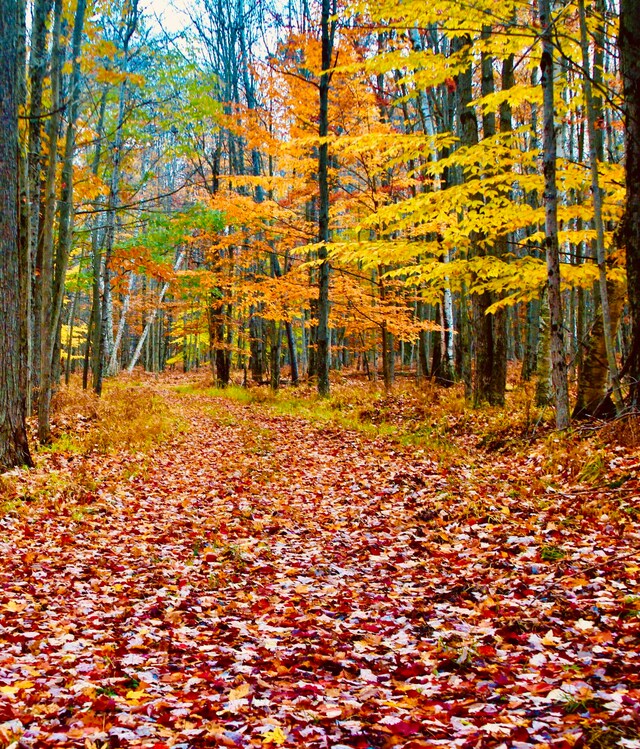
(263, 582)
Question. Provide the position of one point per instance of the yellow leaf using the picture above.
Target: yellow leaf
(240, 692)
(14, 606)
(276, 736)
(578, 582)
(131, 695)
(9, 690)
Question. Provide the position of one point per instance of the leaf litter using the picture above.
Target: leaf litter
(261, 581)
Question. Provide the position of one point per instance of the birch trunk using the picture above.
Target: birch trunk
(112, 368)
(152, 316)
(105, 338)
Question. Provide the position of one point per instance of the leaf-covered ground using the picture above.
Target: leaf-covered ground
(262, 581)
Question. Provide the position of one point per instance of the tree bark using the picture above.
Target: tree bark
(607, 328)
(38, 60)
(65, 223)
(558, 363)
(482, 328)
(104, 332)
(629, 43)
(93, 333)
(46, 273)
(14, 448)
(592, 398)
(26, 271)
(256, 347)
(322, 334)
(112, 368)
(151, 318)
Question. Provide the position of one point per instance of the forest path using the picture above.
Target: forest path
(263, 581)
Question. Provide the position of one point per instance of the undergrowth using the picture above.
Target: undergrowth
(440, 420)
(420, 415)
(130, 415)
(130, 418)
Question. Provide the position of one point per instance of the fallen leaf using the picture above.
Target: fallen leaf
(274, 736)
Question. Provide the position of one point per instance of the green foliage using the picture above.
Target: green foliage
(552, 553)
(166, 231)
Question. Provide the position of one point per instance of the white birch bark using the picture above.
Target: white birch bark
(152, 316)
(112, 369)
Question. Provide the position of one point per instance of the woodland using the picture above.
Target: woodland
(320, 374)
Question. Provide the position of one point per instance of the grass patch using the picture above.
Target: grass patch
(235, 392)
(552, 553)
(129, 416)
(64, 443)
(403, 416)
(57, 488)
(421, 415)
(601, 736)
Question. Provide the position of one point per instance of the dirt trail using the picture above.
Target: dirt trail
(262, 581)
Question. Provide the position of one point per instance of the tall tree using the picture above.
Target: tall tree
(38, 60)
(104, 329)
(629, 42)
(599, 358)
(14, 448)
(50, 205)
(328, 28)
(558, 362)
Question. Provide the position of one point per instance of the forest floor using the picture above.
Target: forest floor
(264, 579)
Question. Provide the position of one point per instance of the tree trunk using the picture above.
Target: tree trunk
(72, 318)
(112, 369)
(629, 43)
(256, 347)
(104, 334)
(593, 399)
(26, 271)
(275, 352)
(46, 272)
(14, 448)
(558, 363)
(322, 336)
(65, 225)
(532, 332)
(607, 327)
(104, 339)
(543, 357)
(38, 60)
(93, 331)
(483, 354)
(500, 338)
(151, 318)
(436, 353)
